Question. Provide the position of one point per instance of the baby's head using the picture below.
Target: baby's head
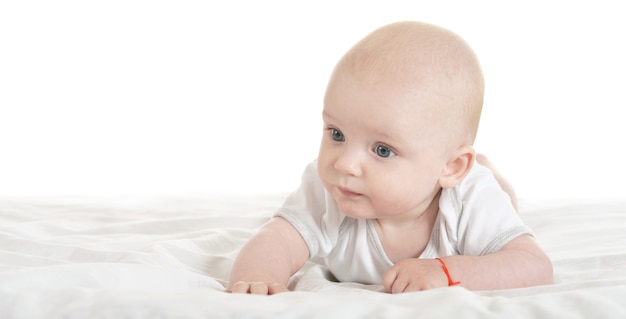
(435, 70)
(401, 113)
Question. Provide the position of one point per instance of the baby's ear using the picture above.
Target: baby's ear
(457, 167)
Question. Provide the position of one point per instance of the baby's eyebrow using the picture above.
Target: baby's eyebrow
(388, 137)
(325, 114)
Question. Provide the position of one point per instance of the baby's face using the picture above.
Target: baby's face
(380, 155)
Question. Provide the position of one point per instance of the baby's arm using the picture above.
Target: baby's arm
(265, 264)
(520, 263)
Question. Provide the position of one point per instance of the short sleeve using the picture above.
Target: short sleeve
(480, 216)
(312, 213)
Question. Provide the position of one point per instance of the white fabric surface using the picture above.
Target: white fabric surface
(169, 257)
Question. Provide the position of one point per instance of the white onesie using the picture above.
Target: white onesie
(475, 218)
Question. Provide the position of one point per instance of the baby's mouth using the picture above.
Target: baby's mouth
(346, 192)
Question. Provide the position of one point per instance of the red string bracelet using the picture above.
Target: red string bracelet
(445, 270)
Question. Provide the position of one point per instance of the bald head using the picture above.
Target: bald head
(420, 58)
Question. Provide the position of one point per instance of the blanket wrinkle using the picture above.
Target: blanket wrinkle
(170, 257)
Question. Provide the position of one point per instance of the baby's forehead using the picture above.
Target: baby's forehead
(384, 104)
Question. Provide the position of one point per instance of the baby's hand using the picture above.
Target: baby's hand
(413, 275)
(257, 288)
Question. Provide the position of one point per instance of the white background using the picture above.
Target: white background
(174, 97)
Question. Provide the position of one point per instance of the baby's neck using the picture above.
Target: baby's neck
(407, 238)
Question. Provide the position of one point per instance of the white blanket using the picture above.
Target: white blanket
(171, 257)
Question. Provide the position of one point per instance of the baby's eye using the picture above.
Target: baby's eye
(384, 151)
(336, 135)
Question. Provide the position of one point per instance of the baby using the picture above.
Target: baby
(396, 196)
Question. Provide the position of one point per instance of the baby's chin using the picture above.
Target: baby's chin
(358, 208)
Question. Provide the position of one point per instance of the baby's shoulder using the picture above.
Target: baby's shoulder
(479, 190)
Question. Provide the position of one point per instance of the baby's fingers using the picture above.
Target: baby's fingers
(277, 288)
(244, 287)
(389, 278)
(240, 287)
(257, 288)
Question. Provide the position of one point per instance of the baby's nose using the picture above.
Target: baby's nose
(349, 163)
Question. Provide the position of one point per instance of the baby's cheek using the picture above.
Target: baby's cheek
(406, 203)
(395, 195)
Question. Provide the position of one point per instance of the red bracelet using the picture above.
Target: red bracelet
(445, 270)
